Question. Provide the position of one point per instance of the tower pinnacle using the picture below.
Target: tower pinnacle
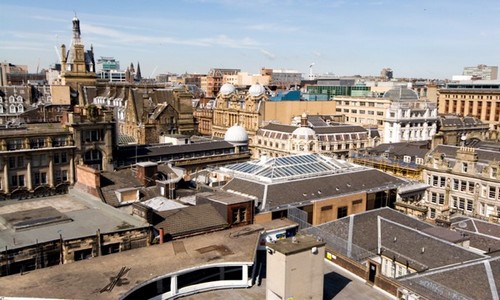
(76, 30)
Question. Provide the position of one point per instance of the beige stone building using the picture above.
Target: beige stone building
(399, 115)
(480, 99)
(369, 111)
(463, 180)
(238, 107)
(323, 137)
(252, 109)
(77, 65)
(39, 159)
(246, 79)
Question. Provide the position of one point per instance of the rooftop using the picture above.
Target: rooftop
(290, 167)
(191, 220)
(84, 279)
(295, 244)
(428, 249)
(71, 215)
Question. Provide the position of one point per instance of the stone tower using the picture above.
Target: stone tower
(77, 65)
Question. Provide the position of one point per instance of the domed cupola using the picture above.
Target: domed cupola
(236, 134)
(256, 90)
(227, 89)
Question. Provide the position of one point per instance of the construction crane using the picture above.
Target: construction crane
(311, 75)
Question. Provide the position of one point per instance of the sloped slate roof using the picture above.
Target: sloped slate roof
(305, 190)
(413, 149)
(190, 220)
(482, 155)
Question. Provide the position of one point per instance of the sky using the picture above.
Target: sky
(431, 39)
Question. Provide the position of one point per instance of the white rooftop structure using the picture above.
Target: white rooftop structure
(162, 204)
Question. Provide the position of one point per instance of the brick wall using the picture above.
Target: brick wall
(88, 180)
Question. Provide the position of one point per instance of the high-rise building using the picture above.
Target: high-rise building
(107, 64)
(386, 73)
(483, 72)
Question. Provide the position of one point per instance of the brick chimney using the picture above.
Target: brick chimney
(146, 173)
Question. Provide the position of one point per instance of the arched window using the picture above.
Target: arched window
(12, 109)
(19, 99)
(11, 99)
(20, 108)
(1, 109)
(1, 99)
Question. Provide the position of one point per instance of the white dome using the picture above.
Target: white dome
(236, 134)
(227, 89)
(303, 133)
(256, 90)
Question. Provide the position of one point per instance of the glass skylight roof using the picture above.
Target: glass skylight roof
(289, 167)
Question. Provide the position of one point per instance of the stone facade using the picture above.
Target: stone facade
(462, 180)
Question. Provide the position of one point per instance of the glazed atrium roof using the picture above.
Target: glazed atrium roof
(290, 167)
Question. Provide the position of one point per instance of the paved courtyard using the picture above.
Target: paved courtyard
(339, 284)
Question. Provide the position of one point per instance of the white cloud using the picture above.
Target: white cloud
(127, 38)
(267, 54)
(273, 28)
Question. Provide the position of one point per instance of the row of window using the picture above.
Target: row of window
(324, 147)
(355, 111)
(12, 109)
(465, 186)
(437, 198)
(38, 178)
(37, 160)
(355, 103)
(456, 96)
(462, 203)
(13, 99)
(36, 143)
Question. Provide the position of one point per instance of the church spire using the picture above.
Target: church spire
(138, 76)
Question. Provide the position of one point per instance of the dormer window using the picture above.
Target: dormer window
(465, 166)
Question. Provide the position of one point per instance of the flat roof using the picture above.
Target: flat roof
(84, 279)
(296, 244)
(225, 197)
(83, 215)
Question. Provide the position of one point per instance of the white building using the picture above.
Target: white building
(407, 118)
(399, 114)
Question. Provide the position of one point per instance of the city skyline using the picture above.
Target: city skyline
(426, 39)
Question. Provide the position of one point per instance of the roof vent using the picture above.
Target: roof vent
(423, 250)
(295, 240)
